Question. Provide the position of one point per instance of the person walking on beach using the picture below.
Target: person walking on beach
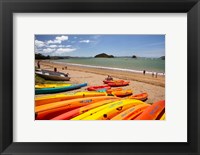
(152, 74)
(144, 72)
(156, 74)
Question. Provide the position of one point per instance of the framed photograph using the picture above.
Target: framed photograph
(99, 77)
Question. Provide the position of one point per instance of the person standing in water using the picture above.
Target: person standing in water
(144, 72)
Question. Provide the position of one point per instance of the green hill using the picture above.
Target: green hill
(103, 55)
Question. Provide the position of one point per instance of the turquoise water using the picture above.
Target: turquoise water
(140, 64)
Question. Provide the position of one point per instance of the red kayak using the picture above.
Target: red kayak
(152, 112)
(118, 84)
(95, 88)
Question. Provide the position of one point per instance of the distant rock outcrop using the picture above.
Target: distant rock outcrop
(162, 57)
(103, 55)
(134, 56)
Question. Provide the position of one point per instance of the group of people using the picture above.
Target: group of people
(156, 74)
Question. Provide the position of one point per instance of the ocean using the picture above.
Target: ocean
(127, 64)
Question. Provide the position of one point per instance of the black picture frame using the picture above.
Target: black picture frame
(8, 7)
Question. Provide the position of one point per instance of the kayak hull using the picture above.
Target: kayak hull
(54, 76)
(59, 89)
(49, 111)
(131, 112)
(114, 109)
(118, 84)
(72, 103)
(78, 111)
(96, 88)
(61, 97)
(152, 112)
(141, 97)
(39, 86)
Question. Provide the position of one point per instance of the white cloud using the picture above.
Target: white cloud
(48, 50)
(57, 40)
(85, 41)
(54, 42)
(39, 43)
(61, 46)
(62, 38)
(64, 50)
(53, 46)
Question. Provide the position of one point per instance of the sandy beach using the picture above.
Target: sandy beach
(155, 87)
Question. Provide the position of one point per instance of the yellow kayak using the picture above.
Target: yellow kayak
(163, 117)
(114, 109)
(39, 86)
(93, 111)
(61, 97)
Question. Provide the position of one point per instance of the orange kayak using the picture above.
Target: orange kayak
(109, 91)
(68, 96)
(122, 93)
(75, 103)
(81, 110)
(152, 112)
(141, 97)
(131, 112)
(118, 84)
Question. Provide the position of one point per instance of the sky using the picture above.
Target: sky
(91, 45)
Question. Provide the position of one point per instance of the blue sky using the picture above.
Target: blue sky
(91, 45)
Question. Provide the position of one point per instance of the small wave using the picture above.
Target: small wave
(110, 68)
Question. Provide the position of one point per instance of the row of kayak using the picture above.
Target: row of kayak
(99, 108)
(56, 88)
(68, 96)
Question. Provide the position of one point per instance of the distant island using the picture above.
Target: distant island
(134, 56)
(162, 57)
(103, 55)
